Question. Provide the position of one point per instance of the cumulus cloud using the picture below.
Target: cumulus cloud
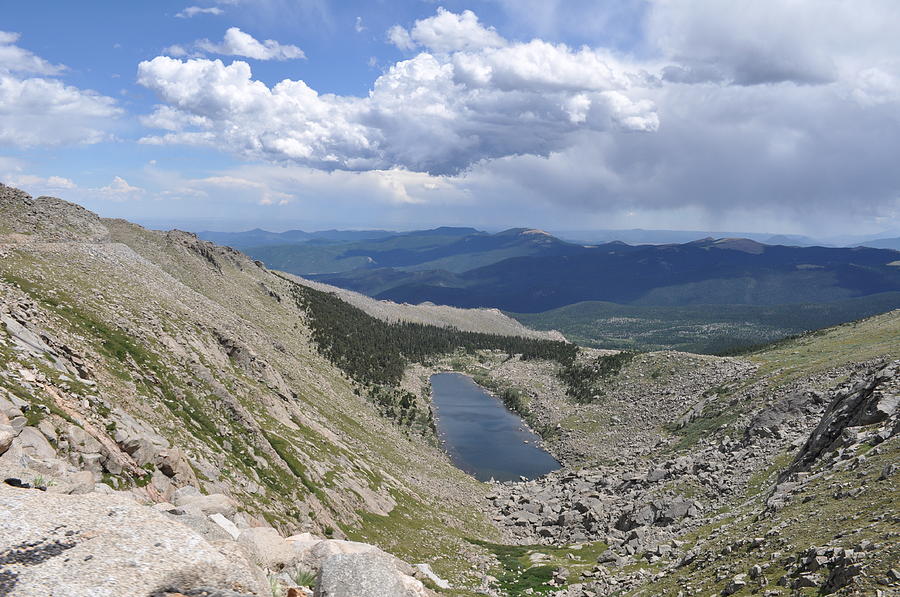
(238, 43)
(192, 11)
(787, 109)
(43, 111)
(436, 112)
(14, 59)
(119, 190)
(39, 184)
(447, 32)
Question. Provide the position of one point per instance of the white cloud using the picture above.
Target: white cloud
(434, 112)
(261, 191)
(175, 50)
(238, 43)
(18, 60)
(785, 110)
(38, 111)
(358, 26)
(399, 36)
(119, 190)
(39, 184)
(447, 32)
(192, 11)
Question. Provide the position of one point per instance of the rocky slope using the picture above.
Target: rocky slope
(148, 362)
(168, 425)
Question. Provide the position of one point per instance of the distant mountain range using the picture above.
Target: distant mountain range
(446, 249)
(706, 295)
(709, 271)
(264, 238)
(634, 236)
(527, 270)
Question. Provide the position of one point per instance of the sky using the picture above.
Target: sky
(777, 116)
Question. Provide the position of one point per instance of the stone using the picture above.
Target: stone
(172, 463)
(268, 549)
(80, 440)
(674, 511)
(355, 575)
(34, 444)
(228, 526)
(428, 573)
(108, 545)
(736, 584)
(7, 435)
(656, 475)
(18, 423)
(313, 555)
(76, 484)
(215, 503)
(807, 581)
(92, 462)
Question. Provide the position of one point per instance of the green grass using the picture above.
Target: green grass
(710, 329)
(517, 573)
(286, 452)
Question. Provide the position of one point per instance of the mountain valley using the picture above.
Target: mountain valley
(177, 418)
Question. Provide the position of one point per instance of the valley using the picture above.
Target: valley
(288, 435)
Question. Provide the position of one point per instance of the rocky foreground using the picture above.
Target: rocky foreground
(76, 541)
(643, 515)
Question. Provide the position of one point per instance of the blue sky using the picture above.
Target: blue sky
(559, 114)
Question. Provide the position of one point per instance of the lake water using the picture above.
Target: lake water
(482, 437)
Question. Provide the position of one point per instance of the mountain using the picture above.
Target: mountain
(707, 271)
(176, 419)
(446, 249)
(264, 238)
(883, 243)
(639, 236)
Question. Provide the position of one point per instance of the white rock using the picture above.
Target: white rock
(226, 524)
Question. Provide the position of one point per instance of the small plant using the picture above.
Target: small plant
(304, 577)
(275, 587)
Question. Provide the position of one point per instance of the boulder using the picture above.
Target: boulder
(172, 463)
(76, 484)
(80, 440)
(358, 574)
(107, 546)
(7, 435)
(861, 404)
(215, 503)
(34, 444)
(313, 555)
(268, 549)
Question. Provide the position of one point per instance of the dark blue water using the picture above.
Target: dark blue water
(482, 437)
